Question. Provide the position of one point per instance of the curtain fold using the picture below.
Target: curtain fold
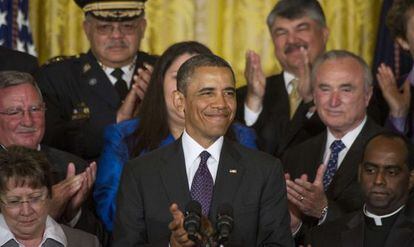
(228, 27)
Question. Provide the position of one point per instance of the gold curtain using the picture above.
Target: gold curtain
(228, 27)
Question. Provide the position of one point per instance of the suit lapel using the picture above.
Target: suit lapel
(228, 179)
(401, 231)
(95, 81)
(354, 235)
(348, 170)
(174, 176)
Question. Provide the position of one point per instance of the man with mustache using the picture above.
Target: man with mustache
(387, 219)
(82, 93)
(279, 107)
(22, 123)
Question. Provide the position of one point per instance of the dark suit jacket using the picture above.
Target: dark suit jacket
(275, 130)
(16, 60)
(152, 182)
(344, 194)
(80, 101)
(348, 231)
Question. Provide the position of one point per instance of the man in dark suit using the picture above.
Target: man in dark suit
(342, 88)
(22, 124)
(16, 60)
(204, 166)
(386, 176)
(280, 107)
(83, 93)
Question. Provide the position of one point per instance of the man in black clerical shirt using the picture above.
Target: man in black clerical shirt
(386, 176)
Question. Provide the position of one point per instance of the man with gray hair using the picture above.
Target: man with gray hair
(280, 107)
(22, 123)
(322, 180)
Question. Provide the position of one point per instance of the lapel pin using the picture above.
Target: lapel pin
(86, 67)
(92, 82)
(234, 171)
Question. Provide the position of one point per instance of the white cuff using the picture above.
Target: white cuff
(250, 117)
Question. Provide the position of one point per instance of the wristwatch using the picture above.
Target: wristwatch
(324, 212)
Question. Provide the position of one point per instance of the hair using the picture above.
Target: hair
(11, 78)
(153, 126)
(26, 167)
(398, 17)
(294, 9)
(341, 54)
(203, 60)
(387, 134)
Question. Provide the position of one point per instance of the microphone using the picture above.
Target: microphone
(224, 223)
(192, 218)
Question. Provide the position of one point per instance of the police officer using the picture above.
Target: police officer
(82, 93)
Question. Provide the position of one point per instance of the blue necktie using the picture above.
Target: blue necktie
(202, 185)
(336, 147)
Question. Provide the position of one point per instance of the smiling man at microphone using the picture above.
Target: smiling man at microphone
(206, 167)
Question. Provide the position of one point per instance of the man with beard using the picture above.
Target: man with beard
(83, 93)
(279, 107)
(385, 177)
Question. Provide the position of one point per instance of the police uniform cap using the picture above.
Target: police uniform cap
(113, 10)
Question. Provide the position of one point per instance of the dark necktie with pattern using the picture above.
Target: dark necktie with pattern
(202, 185)
(120, 85)
(336, 147)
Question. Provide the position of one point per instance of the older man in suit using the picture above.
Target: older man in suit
(280, 107)
(204, 166)
(386, 176)
(342, 88)
(83, 93)
(22, 123)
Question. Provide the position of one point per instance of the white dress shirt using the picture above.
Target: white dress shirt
(347, 139)
(128, 70)
(52, 230)
(250, 117)
(192, 152)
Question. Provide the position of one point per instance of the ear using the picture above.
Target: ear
(142, 25)
(359, 173)
(87, 27)
(325, 33)
(403, 43)
(179, 101)
(368, 95)
(411, 182)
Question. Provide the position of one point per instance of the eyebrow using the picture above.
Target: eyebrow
(367, 163)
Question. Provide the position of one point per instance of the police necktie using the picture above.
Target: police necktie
(336, 147)
(294, 97)
(202, 185)
(120, 84)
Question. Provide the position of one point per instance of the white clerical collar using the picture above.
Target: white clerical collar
(192, 149)
(349, 138)
(378, 218)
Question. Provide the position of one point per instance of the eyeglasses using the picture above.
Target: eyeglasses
(18, 112)
(33, 200)
(125, 28)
